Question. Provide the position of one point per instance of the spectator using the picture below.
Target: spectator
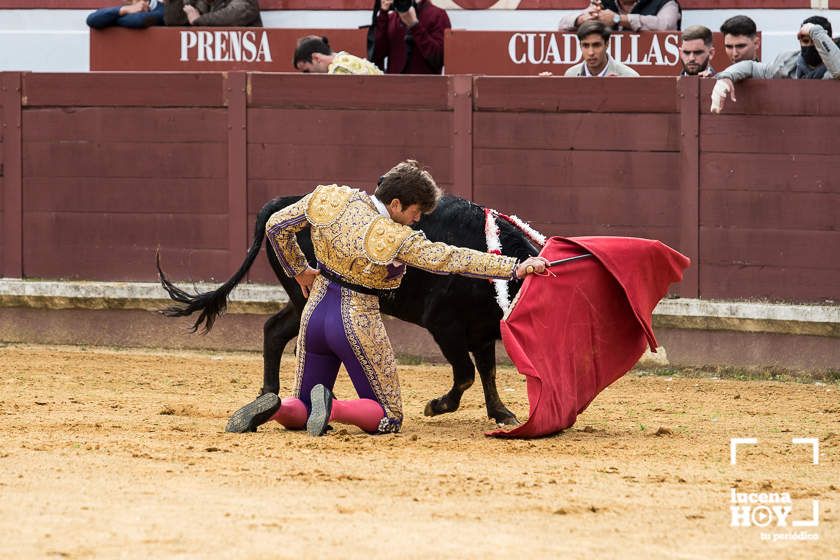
(696, 51)
(740, 39)
(314, 55)
(220, 13)
(594, 39)
(818, 57)
(624, 15)
(137, 14)
(411, 40)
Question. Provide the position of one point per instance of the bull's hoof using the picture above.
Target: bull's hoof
(267, 390)
(508, 419)
(439, 406)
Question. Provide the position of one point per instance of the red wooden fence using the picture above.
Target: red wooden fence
(99, 170)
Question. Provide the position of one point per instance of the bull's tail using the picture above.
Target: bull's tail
(212, 304)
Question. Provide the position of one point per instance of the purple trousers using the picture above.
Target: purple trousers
(340, 326)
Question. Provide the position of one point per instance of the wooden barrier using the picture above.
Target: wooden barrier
(770, 195)
(106, 168)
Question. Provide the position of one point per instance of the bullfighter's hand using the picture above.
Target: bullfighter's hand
(531, 265)
(306, 279)
(723, 87)
(192, 13)
(385, 5)
(409, 18)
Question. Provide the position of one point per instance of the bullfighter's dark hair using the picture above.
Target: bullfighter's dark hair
(309, 45)
(739, 25)
(409, 183)
(593, 27)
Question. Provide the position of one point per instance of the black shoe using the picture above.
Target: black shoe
(319, 415)
(253, 414)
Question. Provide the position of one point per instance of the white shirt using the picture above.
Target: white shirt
(601, 74)
(379, 206)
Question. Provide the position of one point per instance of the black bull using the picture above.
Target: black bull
(461, 313)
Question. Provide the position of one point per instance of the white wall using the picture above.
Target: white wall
(57, 40)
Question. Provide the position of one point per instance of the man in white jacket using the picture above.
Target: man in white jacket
(594, 39)
(818, 58)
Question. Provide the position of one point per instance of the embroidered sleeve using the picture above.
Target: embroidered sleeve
(441, 258)
(281, 229)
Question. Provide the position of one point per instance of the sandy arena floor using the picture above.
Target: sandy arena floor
(122, 454)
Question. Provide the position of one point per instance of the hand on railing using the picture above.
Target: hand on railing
(723, 87)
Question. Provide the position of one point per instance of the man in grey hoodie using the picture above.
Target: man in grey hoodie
(818, 58)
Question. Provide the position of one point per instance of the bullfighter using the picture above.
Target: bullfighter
(362, 244)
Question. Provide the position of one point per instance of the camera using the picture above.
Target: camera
(403, 6)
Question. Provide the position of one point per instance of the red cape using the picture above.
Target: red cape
(574, 333)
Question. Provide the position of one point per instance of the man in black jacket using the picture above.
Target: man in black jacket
(221, 13)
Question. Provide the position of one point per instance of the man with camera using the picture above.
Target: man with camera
(409, 36)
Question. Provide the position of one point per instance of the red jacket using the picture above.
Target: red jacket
(427, 54)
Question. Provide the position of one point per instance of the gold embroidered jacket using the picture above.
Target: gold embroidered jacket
(361, 246)
(346, 63)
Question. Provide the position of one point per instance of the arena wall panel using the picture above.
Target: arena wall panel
(310, 130)
(124, 90)
(769, 198)
(107, 168)
(569, 155)
(116, 167)
(2, 191)
(10, 226)
(791, 172)
(768, 134)
(557, 94)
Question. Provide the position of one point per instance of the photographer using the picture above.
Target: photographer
(410, 36)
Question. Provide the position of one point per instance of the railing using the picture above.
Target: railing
(99, 170)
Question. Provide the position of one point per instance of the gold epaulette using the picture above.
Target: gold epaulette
(327, 204)
(384, 238)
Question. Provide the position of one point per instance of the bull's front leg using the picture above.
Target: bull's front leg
(278, 330)
(455, 351)
(485, 361)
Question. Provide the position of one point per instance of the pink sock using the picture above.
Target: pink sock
(292, 413)
(364, 413)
